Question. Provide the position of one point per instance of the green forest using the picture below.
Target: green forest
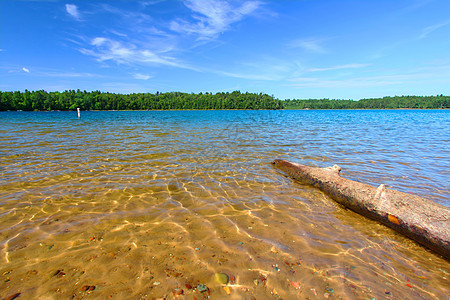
(96, 100)
(70, 100)
(439, 101)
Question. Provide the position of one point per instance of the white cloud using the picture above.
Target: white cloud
(98, 41)
(383, 80)
(148, 3)
(258, 67)
(426, 31)
(365, 82)
(72, 10)
(137, 41)
(362, 82)
(212, 17)
(142, 76)
(137, 18)
(105, 49)
(339, 67)
(248, 76)
(65, 74)
(25, 70)
(309, 45)
(118, 33)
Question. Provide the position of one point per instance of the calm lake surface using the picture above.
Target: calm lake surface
(152, 204)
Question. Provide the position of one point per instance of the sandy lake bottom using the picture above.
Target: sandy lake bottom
(179, 205)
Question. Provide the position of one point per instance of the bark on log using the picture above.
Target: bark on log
(418, 218)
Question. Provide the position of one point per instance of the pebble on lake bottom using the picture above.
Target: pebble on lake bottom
(202, 288)
(88, 288)
(295, 284)
(177, 291)
(222, 278)
(227, 290)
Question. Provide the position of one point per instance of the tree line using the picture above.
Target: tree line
(96, 100)
(438, 101)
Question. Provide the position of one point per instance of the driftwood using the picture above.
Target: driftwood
(418, 218)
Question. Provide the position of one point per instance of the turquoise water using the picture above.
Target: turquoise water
(139, 204)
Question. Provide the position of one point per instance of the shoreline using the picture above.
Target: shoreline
(111, 110)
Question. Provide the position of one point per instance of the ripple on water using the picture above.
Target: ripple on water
(138, 204)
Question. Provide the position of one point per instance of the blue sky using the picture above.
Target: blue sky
(290, 49)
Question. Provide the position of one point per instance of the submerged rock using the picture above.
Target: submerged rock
(222, 278)
(227, 290)
(87, 288)
(177, 292)
(202, 288)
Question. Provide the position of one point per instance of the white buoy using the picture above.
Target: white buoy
(78, 111)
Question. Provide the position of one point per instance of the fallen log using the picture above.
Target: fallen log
(420, 219)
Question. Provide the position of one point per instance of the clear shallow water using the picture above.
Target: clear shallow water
(137, 204)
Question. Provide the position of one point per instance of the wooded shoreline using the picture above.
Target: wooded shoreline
(96, 100)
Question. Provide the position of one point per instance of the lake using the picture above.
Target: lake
(153, 204)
